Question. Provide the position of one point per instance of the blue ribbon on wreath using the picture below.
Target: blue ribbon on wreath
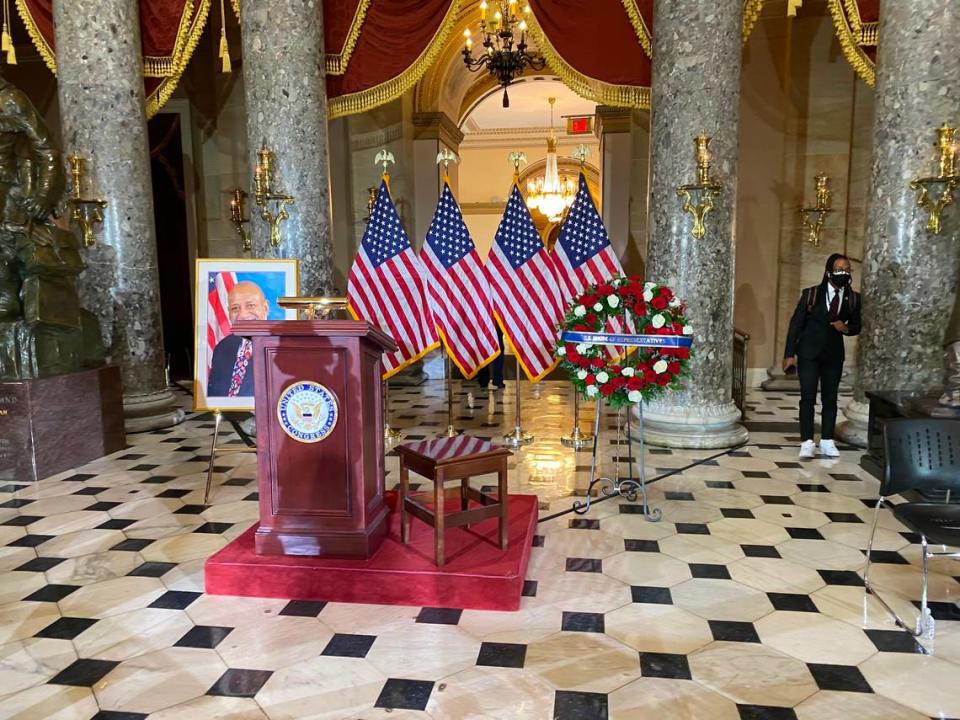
(669, 341)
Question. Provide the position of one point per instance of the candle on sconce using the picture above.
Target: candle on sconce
(483, 10)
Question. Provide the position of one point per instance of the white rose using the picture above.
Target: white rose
(688, 330)
(579, 311)
(647, 295)
(628, 372)
(591, 390)
(634, 396)
(561, 351)
(598, 307)
(583, 347)
(675, 302)
(602, 377)
(649, 285)
(581, 374)
(660, 366)
(658, 321)
(613, 301)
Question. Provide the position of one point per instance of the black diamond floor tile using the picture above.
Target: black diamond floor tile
(190, 510)
(40, 564)
(843, 517)
(399, 694)
(570, 705)
(52, 593)
(707, 570)
(582, 622)
(942, 610)
(692, 529)
(66, 628)
(90, 491)
(731, 631)
(175, 600)
(203, 636)
(765, 712)
(845, 678)
(237, 682)
(804, 533)
(776, 500)
(792, 601)
(807, 487)
(152, 569)
(439, 616)
(529, 588)
(653, 595)
(664, 665)
(22, 520)
(641, 546)
(83, 673)
(669, 495)
(590, 565)
(841, 577)
(30, 540)
(789, 465)
(174, 493)
(509, 655)
(584, 524)
(720, 484)
(347, 645)
(537, 541)
(894, 641)
(214, 528)
(303, 608)
(764, 551)
(103, 506)
(755, 474)
(16, 503)
(736, 513)
(132, 544)
(887, 556)
(118, 715)
(115, 524)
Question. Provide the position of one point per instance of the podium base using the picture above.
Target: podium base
(477, 574)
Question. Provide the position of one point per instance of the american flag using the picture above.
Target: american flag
(526, 296)
(386, 286)
(445, 448)
(219, 285)
(458, 290)
(583, 255)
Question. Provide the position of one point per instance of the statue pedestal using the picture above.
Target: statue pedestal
(51, 424)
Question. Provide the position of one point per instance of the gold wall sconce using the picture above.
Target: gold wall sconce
(371, 201)
(698, 197)
(272, 202)
(937, 192)
(814, 217)
(239, 217)
(85, 212)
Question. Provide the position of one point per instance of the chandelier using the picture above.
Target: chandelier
(551, 194)
(503, 55)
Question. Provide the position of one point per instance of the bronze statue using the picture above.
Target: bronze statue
(43, 330)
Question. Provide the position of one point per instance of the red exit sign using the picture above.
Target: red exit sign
(580, 125)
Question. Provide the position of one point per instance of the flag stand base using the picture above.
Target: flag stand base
(576, 439)
(518, 438)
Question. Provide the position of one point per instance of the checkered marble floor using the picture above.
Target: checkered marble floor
(746, 601)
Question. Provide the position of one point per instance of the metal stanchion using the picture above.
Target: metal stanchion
(576, 439)
(451, 431)
(390, 435)
(518, 437)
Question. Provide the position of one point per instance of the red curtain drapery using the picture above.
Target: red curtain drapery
(857, 23)
(342, 20)
(169, 32)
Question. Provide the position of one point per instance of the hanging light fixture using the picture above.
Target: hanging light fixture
(504, 55)
(551, 195)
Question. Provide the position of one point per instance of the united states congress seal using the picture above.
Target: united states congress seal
(307, 411)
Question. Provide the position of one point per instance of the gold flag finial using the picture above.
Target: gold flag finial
(447, 156)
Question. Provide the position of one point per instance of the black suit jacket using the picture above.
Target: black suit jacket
(221, 369)
(811, 335)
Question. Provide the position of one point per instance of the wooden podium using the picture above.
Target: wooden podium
(319, 409)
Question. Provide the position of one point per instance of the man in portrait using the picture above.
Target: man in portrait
(231, 371)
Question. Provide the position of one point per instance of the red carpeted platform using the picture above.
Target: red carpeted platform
(477, 574)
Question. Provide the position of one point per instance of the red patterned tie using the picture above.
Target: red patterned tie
(835, 305)
(240, 367)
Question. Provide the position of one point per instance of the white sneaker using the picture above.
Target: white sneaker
(829, 448)
(807, 449)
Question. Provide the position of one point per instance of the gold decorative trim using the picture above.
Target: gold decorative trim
(639, 26)
(849, 42)
(235, 4)
(751, 13)
(869, 33)
(395, 87)
(336, 63)
(587, 87)
(46, 52)
(188, 37)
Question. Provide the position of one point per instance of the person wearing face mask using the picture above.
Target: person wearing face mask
(825, 314)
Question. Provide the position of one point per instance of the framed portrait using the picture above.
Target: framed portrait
(230, 290)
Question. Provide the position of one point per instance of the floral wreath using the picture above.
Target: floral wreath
(647, 373)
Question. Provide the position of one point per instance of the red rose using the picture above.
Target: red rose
(597, 362)
(605, 289)
(573, 356)
(665, 292)
(649, 375)
(618, 382)
(664, 379)
(634, 383)
(678, 328)
(607, 390)
(590, 319)
(615, 369)
(673, 368)
(639, 309)
(571, 348)
(590, 380)
(683, 353)
(665, 330)
(659, 302)
(581, 328)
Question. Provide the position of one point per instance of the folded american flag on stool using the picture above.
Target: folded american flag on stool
(458, 290)
(526, 298)
(386, 287)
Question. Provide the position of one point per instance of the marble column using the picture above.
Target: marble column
(285, 83)
(432, 132)
(616, 161)
(696, 89)
(909, 274)
(100, 87)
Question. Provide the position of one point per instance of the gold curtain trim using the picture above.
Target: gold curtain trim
(751, 13)
(46, 52)
(849, 43)
(853, 15)
(583, 85)
(639, 26)
(869, 33)
(336, 63)
(395, 87)
(188, 36)
(235, 4)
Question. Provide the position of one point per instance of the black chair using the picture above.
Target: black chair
(922, 454)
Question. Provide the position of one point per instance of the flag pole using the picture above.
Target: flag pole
(390, 435)
(518, 437)
(451, 430)
(576, 439)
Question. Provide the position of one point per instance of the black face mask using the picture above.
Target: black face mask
(840, 279)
